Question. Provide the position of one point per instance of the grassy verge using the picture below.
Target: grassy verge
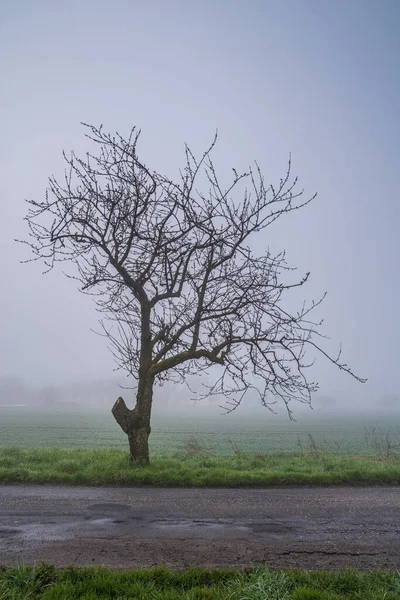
(111, 467)
(46, 583)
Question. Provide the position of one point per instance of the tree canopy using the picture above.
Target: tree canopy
(174, 273)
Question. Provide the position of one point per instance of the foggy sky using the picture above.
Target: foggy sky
(316, 78)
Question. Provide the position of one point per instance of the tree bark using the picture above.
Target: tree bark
(136, 423)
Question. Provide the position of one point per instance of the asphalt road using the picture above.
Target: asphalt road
(309, 528)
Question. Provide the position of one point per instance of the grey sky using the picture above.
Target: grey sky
(317, 78)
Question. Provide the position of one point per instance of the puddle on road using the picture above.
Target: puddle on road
(173, 523)
(8, 531)
(112, 520)
(109, 508)
(255, 527)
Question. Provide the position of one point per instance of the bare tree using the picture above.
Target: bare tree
(173, 273)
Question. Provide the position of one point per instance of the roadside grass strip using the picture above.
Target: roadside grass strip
(112, 467)
(45, 582)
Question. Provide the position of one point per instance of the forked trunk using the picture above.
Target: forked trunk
(136, 423)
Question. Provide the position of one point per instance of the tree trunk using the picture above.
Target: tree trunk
(136, 423)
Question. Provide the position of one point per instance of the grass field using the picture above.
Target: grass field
(264, 433)
(112, 467)
(91, 449)
(46, 583)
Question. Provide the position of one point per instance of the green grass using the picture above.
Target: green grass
(112, 467)
(44, 582)
(250, 430)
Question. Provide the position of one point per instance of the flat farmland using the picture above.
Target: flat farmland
(220, 435)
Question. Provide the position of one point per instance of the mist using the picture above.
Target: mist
(315, 79)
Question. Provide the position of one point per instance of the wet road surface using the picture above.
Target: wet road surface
(309, 528)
